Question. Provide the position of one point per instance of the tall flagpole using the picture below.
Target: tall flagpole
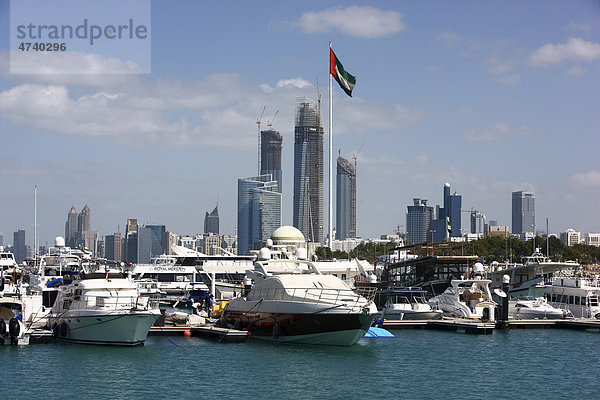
(330, 153)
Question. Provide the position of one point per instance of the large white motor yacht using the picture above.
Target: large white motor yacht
(467, 298)
(102, 310)
(579, 295)
(291, 301)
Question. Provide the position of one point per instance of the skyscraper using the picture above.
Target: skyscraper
(130, 249)
(71, 227)
(270, 155)
(448, 221)
(523, 212)
(308, 171)
(112, 249)
(259, 210)
(83, 219)
(19, 246)
(151, 242)
(418, 222)
(211, 221)
(345, 221)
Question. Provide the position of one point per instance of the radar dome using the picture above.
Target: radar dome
(478, 267)
(59, 241)
(301, 253)
(264, 254)
(269, 243)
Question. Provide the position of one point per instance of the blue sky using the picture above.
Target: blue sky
(492, 97)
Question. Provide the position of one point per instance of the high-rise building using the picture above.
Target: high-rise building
(71, 227)
(84, 219)
(112, 247)
(418, 222)
(151, 242)
(259, 210)
(211, 221)
(308, 171)
(448, 221)
(270, 155)
(19, 246)
(523, 212)
(345, 221)
(130, 244)
(89, 240)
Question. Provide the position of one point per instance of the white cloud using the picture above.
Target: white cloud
(497, 132)
(510, 79)
(450, 38)
(586, 179)
(576, 70)
(294, 83)
(359, 21)
(576, 49)
(218, 110)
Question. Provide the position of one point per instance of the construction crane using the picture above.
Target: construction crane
(258, 120)
(355, 155)
(270, 123)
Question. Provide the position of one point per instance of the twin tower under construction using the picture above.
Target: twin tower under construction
(308, 207)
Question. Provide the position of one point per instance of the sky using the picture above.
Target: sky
(492, 97)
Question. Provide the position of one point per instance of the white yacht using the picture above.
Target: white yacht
(9, 274)
(102, 310)
(530, 307)
(533, 270)
(11, 321)
(174, 279)
(291, 301)
(579, 295)
(467, 298)
(408, 304)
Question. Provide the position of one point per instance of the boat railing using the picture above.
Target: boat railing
(118, 302)
(348, 297)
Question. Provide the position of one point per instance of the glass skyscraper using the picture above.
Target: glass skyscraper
(211, 221)
(308, 171)
(418, 222)
(270, 155)
(523, 212)
(345, 220)
(259, 210)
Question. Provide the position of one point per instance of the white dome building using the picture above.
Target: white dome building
(289, 237)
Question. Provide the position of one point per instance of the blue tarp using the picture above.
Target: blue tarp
(54, 282)
(378, 332)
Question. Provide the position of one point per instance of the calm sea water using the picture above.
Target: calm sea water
(520, 364)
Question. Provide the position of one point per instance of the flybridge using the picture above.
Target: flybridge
(86, 31)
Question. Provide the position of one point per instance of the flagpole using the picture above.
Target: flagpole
(330, 155)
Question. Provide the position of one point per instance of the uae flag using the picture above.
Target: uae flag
(336, 69)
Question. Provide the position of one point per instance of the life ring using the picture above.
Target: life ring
(64, 329)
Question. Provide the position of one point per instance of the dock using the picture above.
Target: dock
(209, 331)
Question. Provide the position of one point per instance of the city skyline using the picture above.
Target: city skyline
(494, 97)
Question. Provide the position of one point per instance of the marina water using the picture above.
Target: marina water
(413, 364)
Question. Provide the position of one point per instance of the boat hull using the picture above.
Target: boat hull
(326, 328)
(121, 329)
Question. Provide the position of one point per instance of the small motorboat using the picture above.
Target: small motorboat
(530, 307)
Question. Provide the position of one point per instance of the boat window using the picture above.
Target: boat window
(577, 300)
(571, 300)
(66, 304)
(593, 301)
(100, 302)
(343, 277)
